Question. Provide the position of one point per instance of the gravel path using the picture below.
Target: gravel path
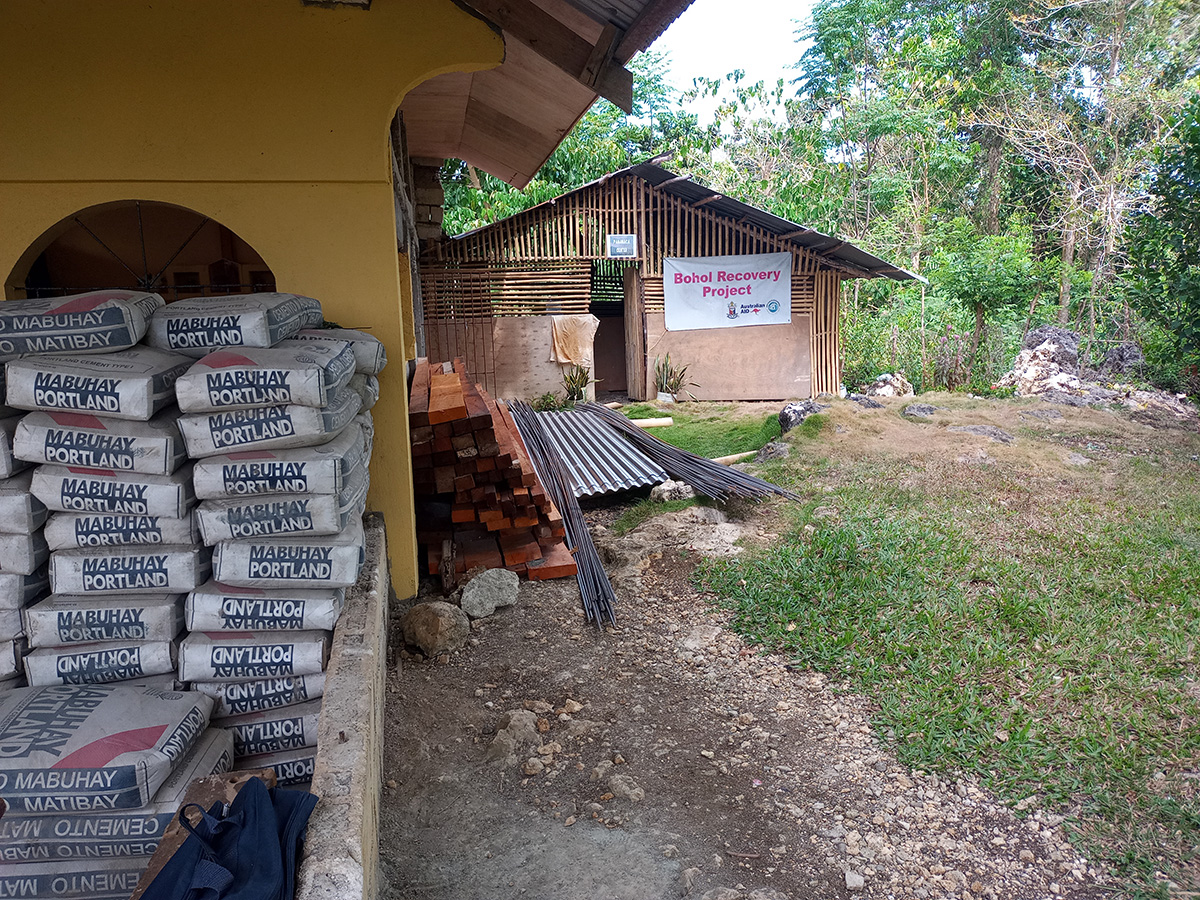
(668, 759)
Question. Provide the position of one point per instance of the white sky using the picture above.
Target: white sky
(714, 37)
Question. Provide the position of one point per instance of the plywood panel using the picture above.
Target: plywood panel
(760, 362)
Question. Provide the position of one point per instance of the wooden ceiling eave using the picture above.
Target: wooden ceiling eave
(506, 121)
(587, 59)
(466, 116)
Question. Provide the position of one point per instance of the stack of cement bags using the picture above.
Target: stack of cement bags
(281, 453)
(121, 533)
(53, 336)
(92, 775)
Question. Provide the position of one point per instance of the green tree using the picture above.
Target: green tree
(1164, 243)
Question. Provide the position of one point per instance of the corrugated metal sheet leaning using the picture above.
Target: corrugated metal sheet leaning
(597, 459)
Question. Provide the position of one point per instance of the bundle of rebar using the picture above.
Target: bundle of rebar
(594, 586)
(709, 478)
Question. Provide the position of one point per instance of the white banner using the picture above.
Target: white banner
(727, 291)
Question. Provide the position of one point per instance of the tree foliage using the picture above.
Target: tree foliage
(1165, 239)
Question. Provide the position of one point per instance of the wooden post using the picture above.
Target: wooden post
(635, 334)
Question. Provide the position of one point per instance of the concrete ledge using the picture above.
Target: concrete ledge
(341, 856)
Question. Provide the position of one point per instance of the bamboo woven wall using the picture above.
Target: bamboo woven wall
(827, 334)
(474, 290)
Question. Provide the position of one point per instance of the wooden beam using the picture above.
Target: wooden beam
(708, 200)
(590, 65)
(648, 25)
(601, 56)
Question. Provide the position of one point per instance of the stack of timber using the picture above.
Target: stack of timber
(480, 502)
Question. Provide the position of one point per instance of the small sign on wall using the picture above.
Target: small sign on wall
(622, 246)
(727, 291)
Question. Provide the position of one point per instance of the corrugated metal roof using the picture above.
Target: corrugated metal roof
(854, 258)
(598, 459)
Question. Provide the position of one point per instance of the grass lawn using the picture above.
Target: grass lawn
(712, 429)
(1011, 614)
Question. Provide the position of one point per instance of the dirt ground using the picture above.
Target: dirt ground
(663, 758)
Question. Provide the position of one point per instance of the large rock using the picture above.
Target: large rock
(1123, 360)
(671, 490)
(795, 413)
(488, 591)
(436, 627)
(516, 731)
(890, 385)
(773, 450)
(1056, 345)
(991, 432)
(1048, 365)
(866, 402)
(923, 410)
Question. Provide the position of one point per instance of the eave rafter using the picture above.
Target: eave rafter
(591, 64)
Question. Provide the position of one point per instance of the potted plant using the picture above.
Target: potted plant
(576, 381)
(670, 380)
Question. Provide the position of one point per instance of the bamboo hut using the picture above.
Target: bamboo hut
(489, 295)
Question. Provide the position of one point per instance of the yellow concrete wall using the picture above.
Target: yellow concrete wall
(269, 116)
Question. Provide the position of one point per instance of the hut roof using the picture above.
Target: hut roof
(826, 246)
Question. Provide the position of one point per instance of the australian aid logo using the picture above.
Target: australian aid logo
(727, 291)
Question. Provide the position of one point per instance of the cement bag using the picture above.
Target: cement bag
(60, 749)
(20, 590)
(315, 562)
(271, 730)
(114, 833)
(5, 409)
(296, 372)
(97, 322)
(67, 531)
(23, 554)
(77, 490)
(367, 388)
(199, 325)
(98, 442)
(367, 423)
(74, 879)
(322, 469)
(20, 511)
(241, 656)
(169, 569)
(132, 384)
(369, 354)
(11, 624)
(12, 682)
(291, 767)
(219, 607)
(268, 427)
(12, 651)
(10, 464)
(238, 698)
(282, 514)
(100, 663)
(63, 619)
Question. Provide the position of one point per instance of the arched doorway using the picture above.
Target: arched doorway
(142, 244)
